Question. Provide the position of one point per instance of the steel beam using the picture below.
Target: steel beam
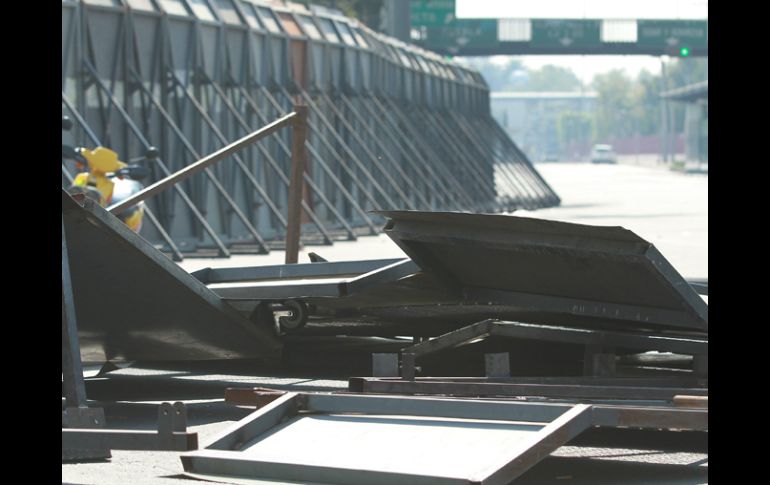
(340, 160)
(309, 179)
(282, 176)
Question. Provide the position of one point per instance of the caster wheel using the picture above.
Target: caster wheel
(299, 315)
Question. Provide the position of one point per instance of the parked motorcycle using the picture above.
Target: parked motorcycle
(104, 178)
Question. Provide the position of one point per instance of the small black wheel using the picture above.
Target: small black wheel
(299, 315)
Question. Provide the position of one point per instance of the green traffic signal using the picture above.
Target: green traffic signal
(684, 51)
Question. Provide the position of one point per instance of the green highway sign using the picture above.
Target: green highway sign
(673, 33)
(432, 13)
(566, 33)
(434, 26)
(462, 34)
(439, 29)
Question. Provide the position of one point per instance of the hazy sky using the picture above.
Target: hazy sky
(585, 67)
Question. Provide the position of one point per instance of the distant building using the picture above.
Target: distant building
(532, 120)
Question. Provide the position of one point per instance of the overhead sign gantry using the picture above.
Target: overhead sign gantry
(435, 26)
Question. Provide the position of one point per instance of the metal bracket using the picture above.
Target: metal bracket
(81, 417)
(171, 435)
(385, 364)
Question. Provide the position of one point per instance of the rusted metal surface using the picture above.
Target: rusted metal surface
(651, 417)
(296, 185)
(691, 401)
(511, 387)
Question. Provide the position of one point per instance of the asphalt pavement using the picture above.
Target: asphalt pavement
(669, 209)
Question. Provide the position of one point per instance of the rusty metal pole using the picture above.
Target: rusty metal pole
(299, 133)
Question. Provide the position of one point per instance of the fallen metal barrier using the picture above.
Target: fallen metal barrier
(352, 439)
(466, 268)
(83, 432)
(556, 272)
(133, 303)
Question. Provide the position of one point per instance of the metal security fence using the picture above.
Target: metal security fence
(390, 126)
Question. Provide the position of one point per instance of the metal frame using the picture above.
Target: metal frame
(551, 425)
(307, 270)
(555, 424)
(172, 435)
(72, 367)
(186, 84)
(595, 341)
(331, 286)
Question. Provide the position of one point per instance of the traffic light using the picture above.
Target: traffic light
(684, 52)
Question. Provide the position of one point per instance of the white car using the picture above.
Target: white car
(603, 154)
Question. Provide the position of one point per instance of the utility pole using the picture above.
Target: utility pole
(664, 112)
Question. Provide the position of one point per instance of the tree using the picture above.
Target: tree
(614, 104)
(552, 78)
(646, 103)
(682, 72)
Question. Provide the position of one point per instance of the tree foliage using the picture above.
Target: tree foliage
(614, 104)
(552, 78)
(647, 103)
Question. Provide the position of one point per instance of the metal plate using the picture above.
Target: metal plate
(133, 303)
(301, 281)
(548, 268)
(379, 439)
